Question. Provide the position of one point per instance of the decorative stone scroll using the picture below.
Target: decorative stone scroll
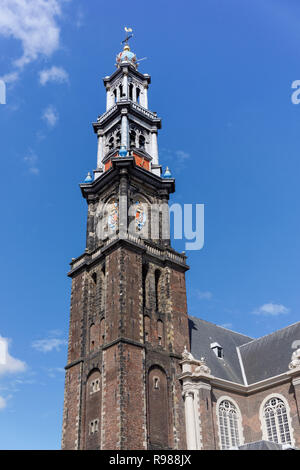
(202, 369)
(295, 362)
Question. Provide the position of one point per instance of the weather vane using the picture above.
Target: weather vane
(128, 36)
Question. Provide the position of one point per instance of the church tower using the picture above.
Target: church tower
(128, 321)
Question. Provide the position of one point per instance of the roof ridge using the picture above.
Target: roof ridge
(270, 334)
(223, 327)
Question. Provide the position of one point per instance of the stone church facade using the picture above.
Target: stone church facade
(141, 373)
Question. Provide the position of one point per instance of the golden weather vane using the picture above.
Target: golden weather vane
(128, 36)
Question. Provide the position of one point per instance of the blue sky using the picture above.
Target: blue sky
(221, 81)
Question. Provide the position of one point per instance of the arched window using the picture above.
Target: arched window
(94, 385)
(158, 408)
(141, 142)
(93, 337)
(276, 421)
(132, 138)
(157, 278)
(118, 139)
(102, 331)
(111, 143)
(147, 323)
(144, 276)
(130, 91)
(229, 424)
(138, 92)
(160, 333)
(92, 415)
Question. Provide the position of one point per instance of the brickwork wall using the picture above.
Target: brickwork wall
(73, 379)
(108, 308)
(111, 408)
(178, 311)
(72, 401)
(207, 421)
(133, 398)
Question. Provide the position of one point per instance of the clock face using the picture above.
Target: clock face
(113, 215)
(140, 216)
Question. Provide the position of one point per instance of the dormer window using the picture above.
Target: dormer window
(217, 349)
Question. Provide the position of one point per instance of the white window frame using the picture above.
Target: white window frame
(95, 385)
(239, 419)
(263, 421)
(94, 426)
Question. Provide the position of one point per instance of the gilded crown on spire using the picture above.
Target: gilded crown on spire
(126, 56)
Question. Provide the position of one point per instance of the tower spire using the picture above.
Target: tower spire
(127, 127)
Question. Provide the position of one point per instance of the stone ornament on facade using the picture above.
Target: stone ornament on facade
(186, 355)
(202, 369)
(295, 362)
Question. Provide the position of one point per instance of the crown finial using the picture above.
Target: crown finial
(126, 56)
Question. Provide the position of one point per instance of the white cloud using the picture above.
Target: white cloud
(31, 160)
(34, 171)
(55, 333)
(206, 295)
(10, 77)
(54, 74)
(51, 116)
(79, 19)
(176, 159)
(54, 371)
(34, 24)
(182, 155)
(271, 309)
(48, 344)
(9, 364)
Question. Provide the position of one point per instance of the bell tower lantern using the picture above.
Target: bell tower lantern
(127, 125)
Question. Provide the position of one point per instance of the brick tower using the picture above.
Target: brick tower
(128, 322)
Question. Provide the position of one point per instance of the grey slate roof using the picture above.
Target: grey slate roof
(261, 445)
(270, 355)
(202, 334)
(261, 358)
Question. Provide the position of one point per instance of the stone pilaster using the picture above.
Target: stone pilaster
(190, 421)
(296, 384)
(124, 128)
(154, 148)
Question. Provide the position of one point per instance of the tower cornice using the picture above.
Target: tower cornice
(131, 107)
(118, 163)
(166, 255)
(128, 69)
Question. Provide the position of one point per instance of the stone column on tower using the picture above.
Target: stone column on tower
(124, 129)
(100, 154)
